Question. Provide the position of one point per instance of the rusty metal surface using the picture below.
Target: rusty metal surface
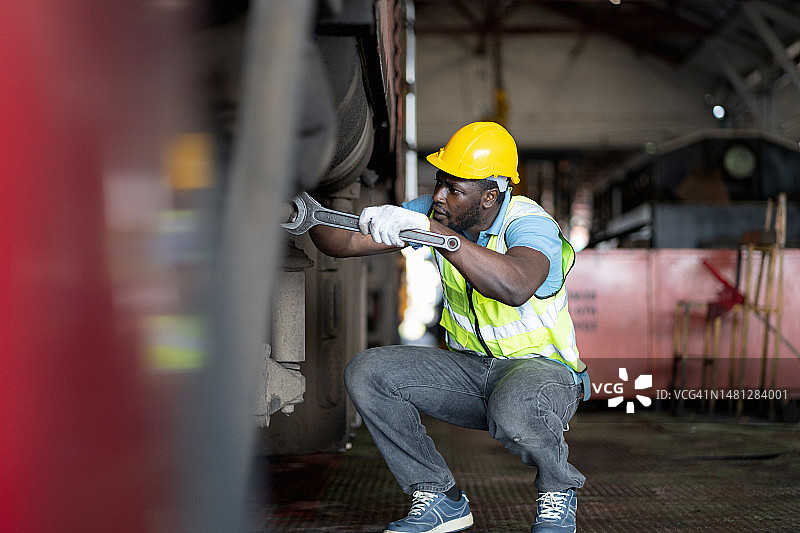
(646, 471)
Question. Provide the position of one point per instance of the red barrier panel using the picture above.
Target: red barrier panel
(623, 304)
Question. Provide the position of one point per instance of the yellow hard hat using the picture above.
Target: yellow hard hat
(477, 151)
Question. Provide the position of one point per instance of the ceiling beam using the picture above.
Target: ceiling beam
(508, 2)
(538, 28)
(779, 15)
(652, 26)
(772, 41)
(738, 83)
(639, 28)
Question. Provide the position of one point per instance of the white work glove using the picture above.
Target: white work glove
(385, 222)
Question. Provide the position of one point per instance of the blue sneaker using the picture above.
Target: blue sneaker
(433, 512)
(555, 512)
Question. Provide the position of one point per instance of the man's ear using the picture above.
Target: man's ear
(489, 198)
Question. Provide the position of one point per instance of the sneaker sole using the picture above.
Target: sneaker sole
(573, 531)
(459, 524)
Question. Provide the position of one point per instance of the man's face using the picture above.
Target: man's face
(456, 202)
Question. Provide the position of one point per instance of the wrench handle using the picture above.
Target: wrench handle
(418, 236)
(308, 213)
(336, 219)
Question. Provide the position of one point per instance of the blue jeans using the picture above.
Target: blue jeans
(525, 404)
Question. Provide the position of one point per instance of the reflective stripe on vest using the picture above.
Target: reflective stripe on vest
(539, 327)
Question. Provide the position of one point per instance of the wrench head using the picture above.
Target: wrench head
(298, 220)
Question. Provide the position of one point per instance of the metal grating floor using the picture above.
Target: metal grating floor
(646, 472)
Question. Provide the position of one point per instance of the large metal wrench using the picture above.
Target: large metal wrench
(308, 212)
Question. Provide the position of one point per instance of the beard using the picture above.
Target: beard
(468, 219)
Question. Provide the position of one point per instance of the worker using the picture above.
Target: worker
(512, 365)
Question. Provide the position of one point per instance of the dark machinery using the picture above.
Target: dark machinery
(701, 191)
(347, 143)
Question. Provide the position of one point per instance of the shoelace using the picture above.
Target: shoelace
(552, 505)
(421, 501)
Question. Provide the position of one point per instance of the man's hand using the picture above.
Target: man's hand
(385, 222)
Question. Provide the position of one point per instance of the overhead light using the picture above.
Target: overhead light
(615, 2)
(719, 111)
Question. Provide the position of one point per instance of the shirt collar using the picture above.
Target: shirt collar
(483, 237)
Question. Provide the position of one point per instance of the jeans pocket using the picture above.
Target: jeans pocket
(567, 405)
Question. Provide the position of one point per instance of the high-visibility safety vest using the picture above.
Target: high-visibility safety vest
(539, 327)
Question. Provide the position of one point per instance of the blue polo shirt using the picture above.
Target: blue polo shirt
(538, 233)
